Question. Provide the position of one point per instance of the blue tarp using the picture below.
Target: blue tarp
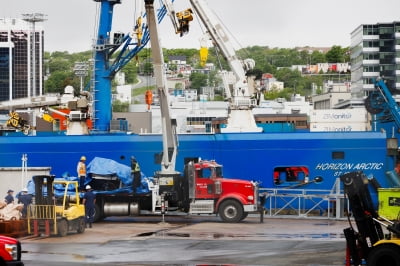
(103, 166)
(58, 188)
(108, 167)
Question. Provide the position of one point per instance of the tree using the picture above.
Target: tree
(59, 64)
(335, 54)
(317, 57)
(290, 77)
(178, 86)
(173, 67)
(198, 80)
(130, 71)
(147, 68)
(58, 80)
(119, 106)
(214, 79)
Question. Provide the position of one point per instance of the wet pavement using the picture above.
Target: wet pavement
(198, 240)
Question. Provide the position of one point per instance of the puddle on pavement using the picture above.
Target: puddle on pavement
(267, 235)
(322, 235)
(146, 234)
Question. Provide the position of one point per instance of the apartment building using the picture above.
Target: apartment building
(375, 51)
(20, 49)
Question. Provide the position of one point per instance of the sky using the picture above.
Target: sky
(70, 24)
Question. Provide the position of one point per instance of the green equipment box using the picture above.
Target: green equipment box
(389, 203)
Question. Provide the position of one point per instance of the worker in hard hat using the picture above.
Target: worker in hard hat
(135, 174)
(89, 200)
(25, 199)
(81, 170)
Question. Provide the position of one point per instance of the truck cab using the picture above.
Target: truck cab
(210, 192)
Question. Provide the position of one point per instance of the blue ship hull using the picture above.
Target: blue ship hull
(252, 156)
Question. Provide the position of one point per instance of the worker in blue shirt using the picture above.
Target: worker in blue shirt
(25, 199)
(136, 174)
(9, 197)
(89, 200)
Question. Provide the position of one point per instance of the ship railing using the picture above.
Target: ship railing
(304, 203)
(240, 103)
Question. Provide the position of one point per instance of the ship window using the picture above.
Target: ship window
(338, 155)
(290, 175)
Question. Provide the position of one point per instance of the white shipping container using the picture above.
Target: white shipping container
(339, 127)
(339, 115)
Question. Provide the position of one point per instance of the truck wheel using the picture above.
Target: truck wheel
(81, 225)
(62, 227)
(384, 255)
(244, 216)
(231, 211)
(97, 214)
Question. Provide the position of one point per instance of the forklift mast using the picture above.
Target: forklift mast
(43, 196)
(365, 216)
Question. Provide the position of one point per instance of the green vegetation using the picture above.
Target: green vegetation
(119, 106)
(142, 90)
(277, 61)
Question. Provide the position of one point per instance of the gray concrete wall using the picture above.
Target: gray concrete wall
(13, 178)
(138, 122)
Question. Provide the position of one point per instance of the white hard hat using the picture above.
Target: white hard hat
(24, 189)
(88, 187)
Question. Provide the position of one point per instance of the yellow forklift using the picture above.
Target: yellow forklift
(370, 244)
(55, 214)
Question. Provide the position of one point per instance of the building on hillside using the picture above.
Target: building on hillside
(120, 78)
(310, 50)
(210, 66)
(207, 93)
(124, 93)
(179, 61)
(333, 93)
(297, 105)
(201, 70)
(269, 82)
(174, 83)
(16, 59)
(323, 68)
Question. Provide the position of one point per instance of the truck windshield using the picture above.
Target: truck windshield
(210, 172)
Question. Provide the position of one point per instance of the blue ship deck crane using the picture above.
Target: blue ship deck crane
(380, 102)
(105, 69)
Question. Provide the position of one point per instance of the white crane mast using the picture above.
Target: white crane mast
(168, 128)
(241, 118)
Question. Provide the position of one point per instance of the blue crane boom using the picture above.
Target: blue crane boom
(104, 69)
(384, 100)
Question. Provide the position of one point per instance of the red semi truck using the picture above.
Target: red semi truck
(200, 190)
